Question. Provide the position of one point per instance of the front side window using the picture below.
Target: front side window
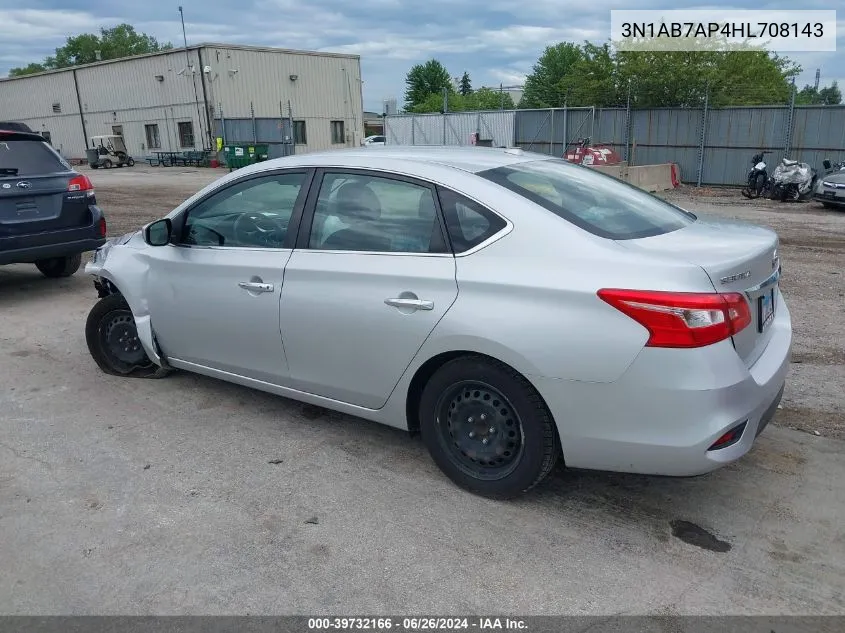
(371, 213)
(600, 204)
(251, 214)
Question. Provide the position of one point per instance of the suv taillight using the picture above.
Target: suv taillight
(101, 227)
(81, 183)
(682, 319)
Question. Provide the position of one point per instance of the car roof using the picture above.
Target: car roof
(466, 158)
(17, 135)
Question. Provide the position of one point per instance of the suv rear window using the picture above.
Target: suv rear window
(600, 204)
(29, 158)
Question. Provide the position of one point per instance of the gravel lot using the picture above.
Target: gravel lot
(189, 495)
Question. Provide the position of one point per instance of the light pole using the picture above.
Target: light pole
(193, 74)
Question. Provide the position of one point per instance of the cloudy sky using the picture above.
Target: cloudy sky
(496, 41)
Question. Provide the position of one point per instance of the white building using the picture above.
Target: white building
(184, 99)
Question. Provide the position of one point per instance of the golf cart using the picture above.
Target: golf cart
(108, 151)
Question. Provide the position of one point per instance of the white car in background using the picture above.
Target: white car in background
(373, 140)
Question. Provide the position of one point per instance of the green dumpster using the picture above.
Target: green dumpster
(239, 155)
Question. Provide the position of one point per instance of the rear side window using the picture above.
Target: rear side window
(600, 204)
(469, 224)
(29, 158)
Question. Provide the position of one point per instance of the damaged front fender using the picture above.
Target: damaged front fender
(120, 266)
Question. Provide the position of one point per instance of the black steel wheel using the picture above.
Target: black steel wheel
(487, 428)
(112, 338)
(481, 429)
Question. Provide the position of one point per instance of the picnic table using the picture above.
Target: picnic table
(164, 159)
(170, 159)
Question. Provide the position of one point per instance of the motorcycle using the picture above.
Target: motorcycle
(793, 181)
(830, 168)
(757, 181)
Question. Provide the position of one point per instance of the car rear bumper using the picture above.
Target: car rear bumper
(26, 249)
(670, 407)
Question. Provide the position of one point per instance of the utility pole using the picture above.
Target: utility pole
(188, 69)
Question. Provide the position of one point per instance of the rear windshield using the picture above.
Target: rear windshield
(600, 204)
(29, 158)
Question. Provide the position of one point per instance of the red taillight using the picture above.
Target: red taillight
(101, 226)
(682, 319)
(81, 183)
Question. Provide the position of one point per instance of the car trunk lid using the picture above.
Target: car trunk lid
(737, 257)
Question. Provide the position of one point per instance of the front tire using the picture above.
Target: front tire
(487, 428)
(56, 267)
(112, 338)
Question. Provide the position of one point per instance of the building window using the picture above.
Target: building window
(47, 136)
(117, 130)
(153, 139)
(57, 108)
(337, 132)
(186, 134)
(299, 135)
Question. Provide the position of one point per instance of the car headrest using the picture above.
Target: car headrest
(426, 209)
(356, 202)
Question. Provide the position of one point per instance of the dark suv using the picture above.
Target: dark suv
(48, 212)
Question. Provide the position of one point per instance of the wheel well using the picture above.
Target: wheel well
(424, 374)
(105, 287)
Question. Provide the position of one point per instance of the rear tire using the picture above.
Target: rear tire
(130, 162)
(487, 428)
(107, 164)
(112, 339)
(59, 266)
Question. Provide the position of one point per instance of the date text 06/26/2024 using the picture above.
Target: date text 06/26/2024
(715, 29)
(380, 624)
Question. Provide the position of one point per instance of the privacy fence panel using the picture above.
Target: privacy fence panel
(716, 144)
(453, 128)
(734, 135)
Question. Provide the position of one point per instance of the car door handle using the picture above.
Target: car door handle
(254, 286)
(416, 304)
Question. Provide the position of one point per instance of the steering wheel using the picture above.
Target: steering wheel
(256, 229)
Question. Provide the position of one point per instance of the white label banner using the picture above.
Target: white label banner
(723, 29)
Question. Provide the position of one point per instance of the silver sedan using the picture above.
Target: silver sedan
(512, 308)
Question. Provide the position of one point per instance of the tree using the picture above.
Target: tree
(543, 88)
(829, 95)
(120, 41)
(424, 80)
(481, 99)
(488, 99)
(29, 69)
(601, 76)
(465, 85)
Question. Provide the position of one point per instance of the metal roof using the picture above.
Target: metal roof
(182, 49)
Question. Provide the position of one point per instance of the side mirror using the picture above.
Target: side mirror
(158, 233)
(827, 164)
